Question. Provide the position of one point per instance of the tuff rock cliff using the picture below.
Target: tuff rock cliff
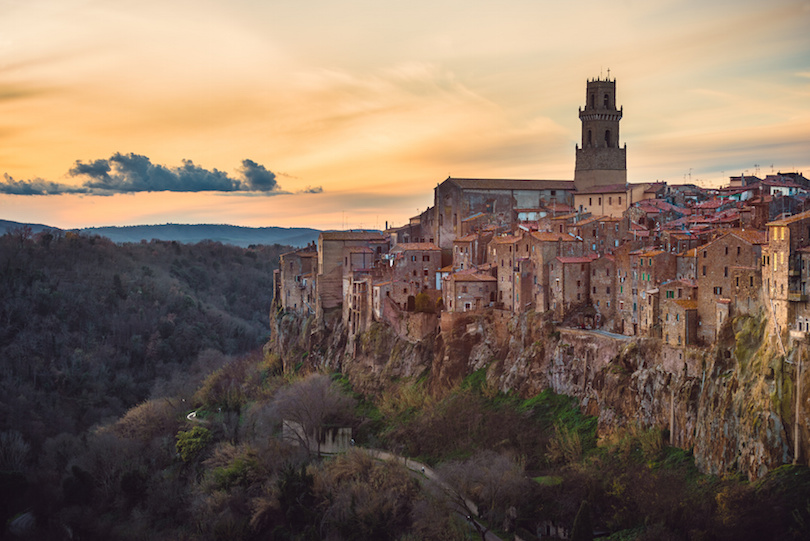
(733, 404)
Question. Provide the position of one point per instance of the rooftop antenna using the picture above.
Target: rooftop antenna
(756, 169)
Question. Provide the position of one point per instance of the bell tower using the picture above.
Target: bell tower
(600, 160)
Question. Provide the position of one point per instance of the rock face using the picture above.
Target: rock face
(733, 404)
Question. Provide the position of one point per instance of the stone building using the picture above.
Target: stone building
(600, 161)
(457, 199)
(470, 250)
(332, 257)
(570, 284)
(603, 291)
(680, 321)
(600, 234)
(466, 291)
(296, 288)
(781, 272)
(503, 254)
(413, 269)
(728, 278)
(640, 272)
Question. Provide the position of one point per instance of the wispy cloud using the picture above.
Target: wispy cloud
(134, 173)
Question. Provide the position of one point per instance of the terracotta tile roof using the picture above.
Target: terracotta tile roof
(686, 304)
(352, 235)
(509, 239)
(466, 238)
(415, 247)
(689, 253)
(587, 221)
(510, 184)
(472, 277)
(580, 259)
(548, 236)
(609, 188)
(791, 219)
(565, 216)
(359, 250)
(649, 253)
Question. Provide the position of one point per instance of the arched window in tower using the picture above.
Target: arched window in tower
(607, 138)
(590, 138)
(607, 101)
(593, 101)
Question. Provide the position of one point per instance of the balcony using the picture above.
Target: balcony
(796, 296)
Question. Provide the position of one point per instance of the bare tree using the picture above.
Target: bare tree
(486, 485)
(307, 406)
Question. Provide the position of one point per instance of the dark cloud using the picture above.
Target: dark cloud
(257, 177)
(133, 173)
(127, 173)
(36, 187)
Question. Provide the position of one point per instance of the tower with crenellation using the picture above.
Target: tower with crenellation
(600, 161)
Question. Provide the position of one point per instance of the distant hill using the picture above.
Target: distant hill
(191, 234)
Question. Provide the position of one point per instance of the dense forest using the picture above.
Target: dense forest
(89, 328)
(138, 403)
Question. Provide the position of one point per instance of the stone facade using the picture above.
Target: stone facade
(297, 280)
(467, 291)
(457, 199)
(728, 278)
(600, 161)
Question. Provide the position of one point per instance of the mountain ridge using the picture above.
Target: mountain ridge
(189, 233)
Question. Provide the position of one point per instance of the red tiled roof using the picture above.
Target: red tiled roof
(510, 184)
(352, 235)
(472, 277)
(415, 247)
(791, 219)
(686, 304)
(580, 259)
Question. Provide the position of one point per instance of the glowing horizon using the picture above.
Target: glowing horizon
(374, 103)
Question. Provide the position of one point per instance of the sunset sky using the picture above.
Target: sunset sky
(346, 114)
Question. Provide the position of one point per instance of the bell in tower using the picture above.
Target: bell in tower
(600, 160)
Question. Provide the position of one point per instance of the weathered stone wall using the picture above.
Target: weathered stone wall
(732, 405)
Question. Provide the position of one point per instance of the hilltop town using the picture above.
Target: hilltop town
(671, 262)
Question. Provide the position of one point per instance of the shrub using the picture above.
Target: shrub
(191, 442)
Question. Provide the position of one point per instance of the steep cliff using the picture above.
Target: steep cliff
(733, 404)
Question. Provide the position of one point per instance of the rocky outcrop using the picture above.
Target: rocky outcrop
(733, 404)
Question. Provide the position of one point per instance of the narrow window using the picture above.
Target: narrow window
(606, 101)
(607, 138)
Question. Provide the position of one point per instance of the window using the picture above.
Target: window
(607, 138)
(620, 202)
(738, 281)
(725, 272)
(704, 270)
(738, 250)
(751, 281)
(463, 289)
(590, 201)
(606, 101)
(718, 290)
(704, 254)
(425, 258)
(610, 200)
(594, 290)
(726, 250)
(599, 200)
(413, 258)
(677, 317)
(608, 290)
(426, 272)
